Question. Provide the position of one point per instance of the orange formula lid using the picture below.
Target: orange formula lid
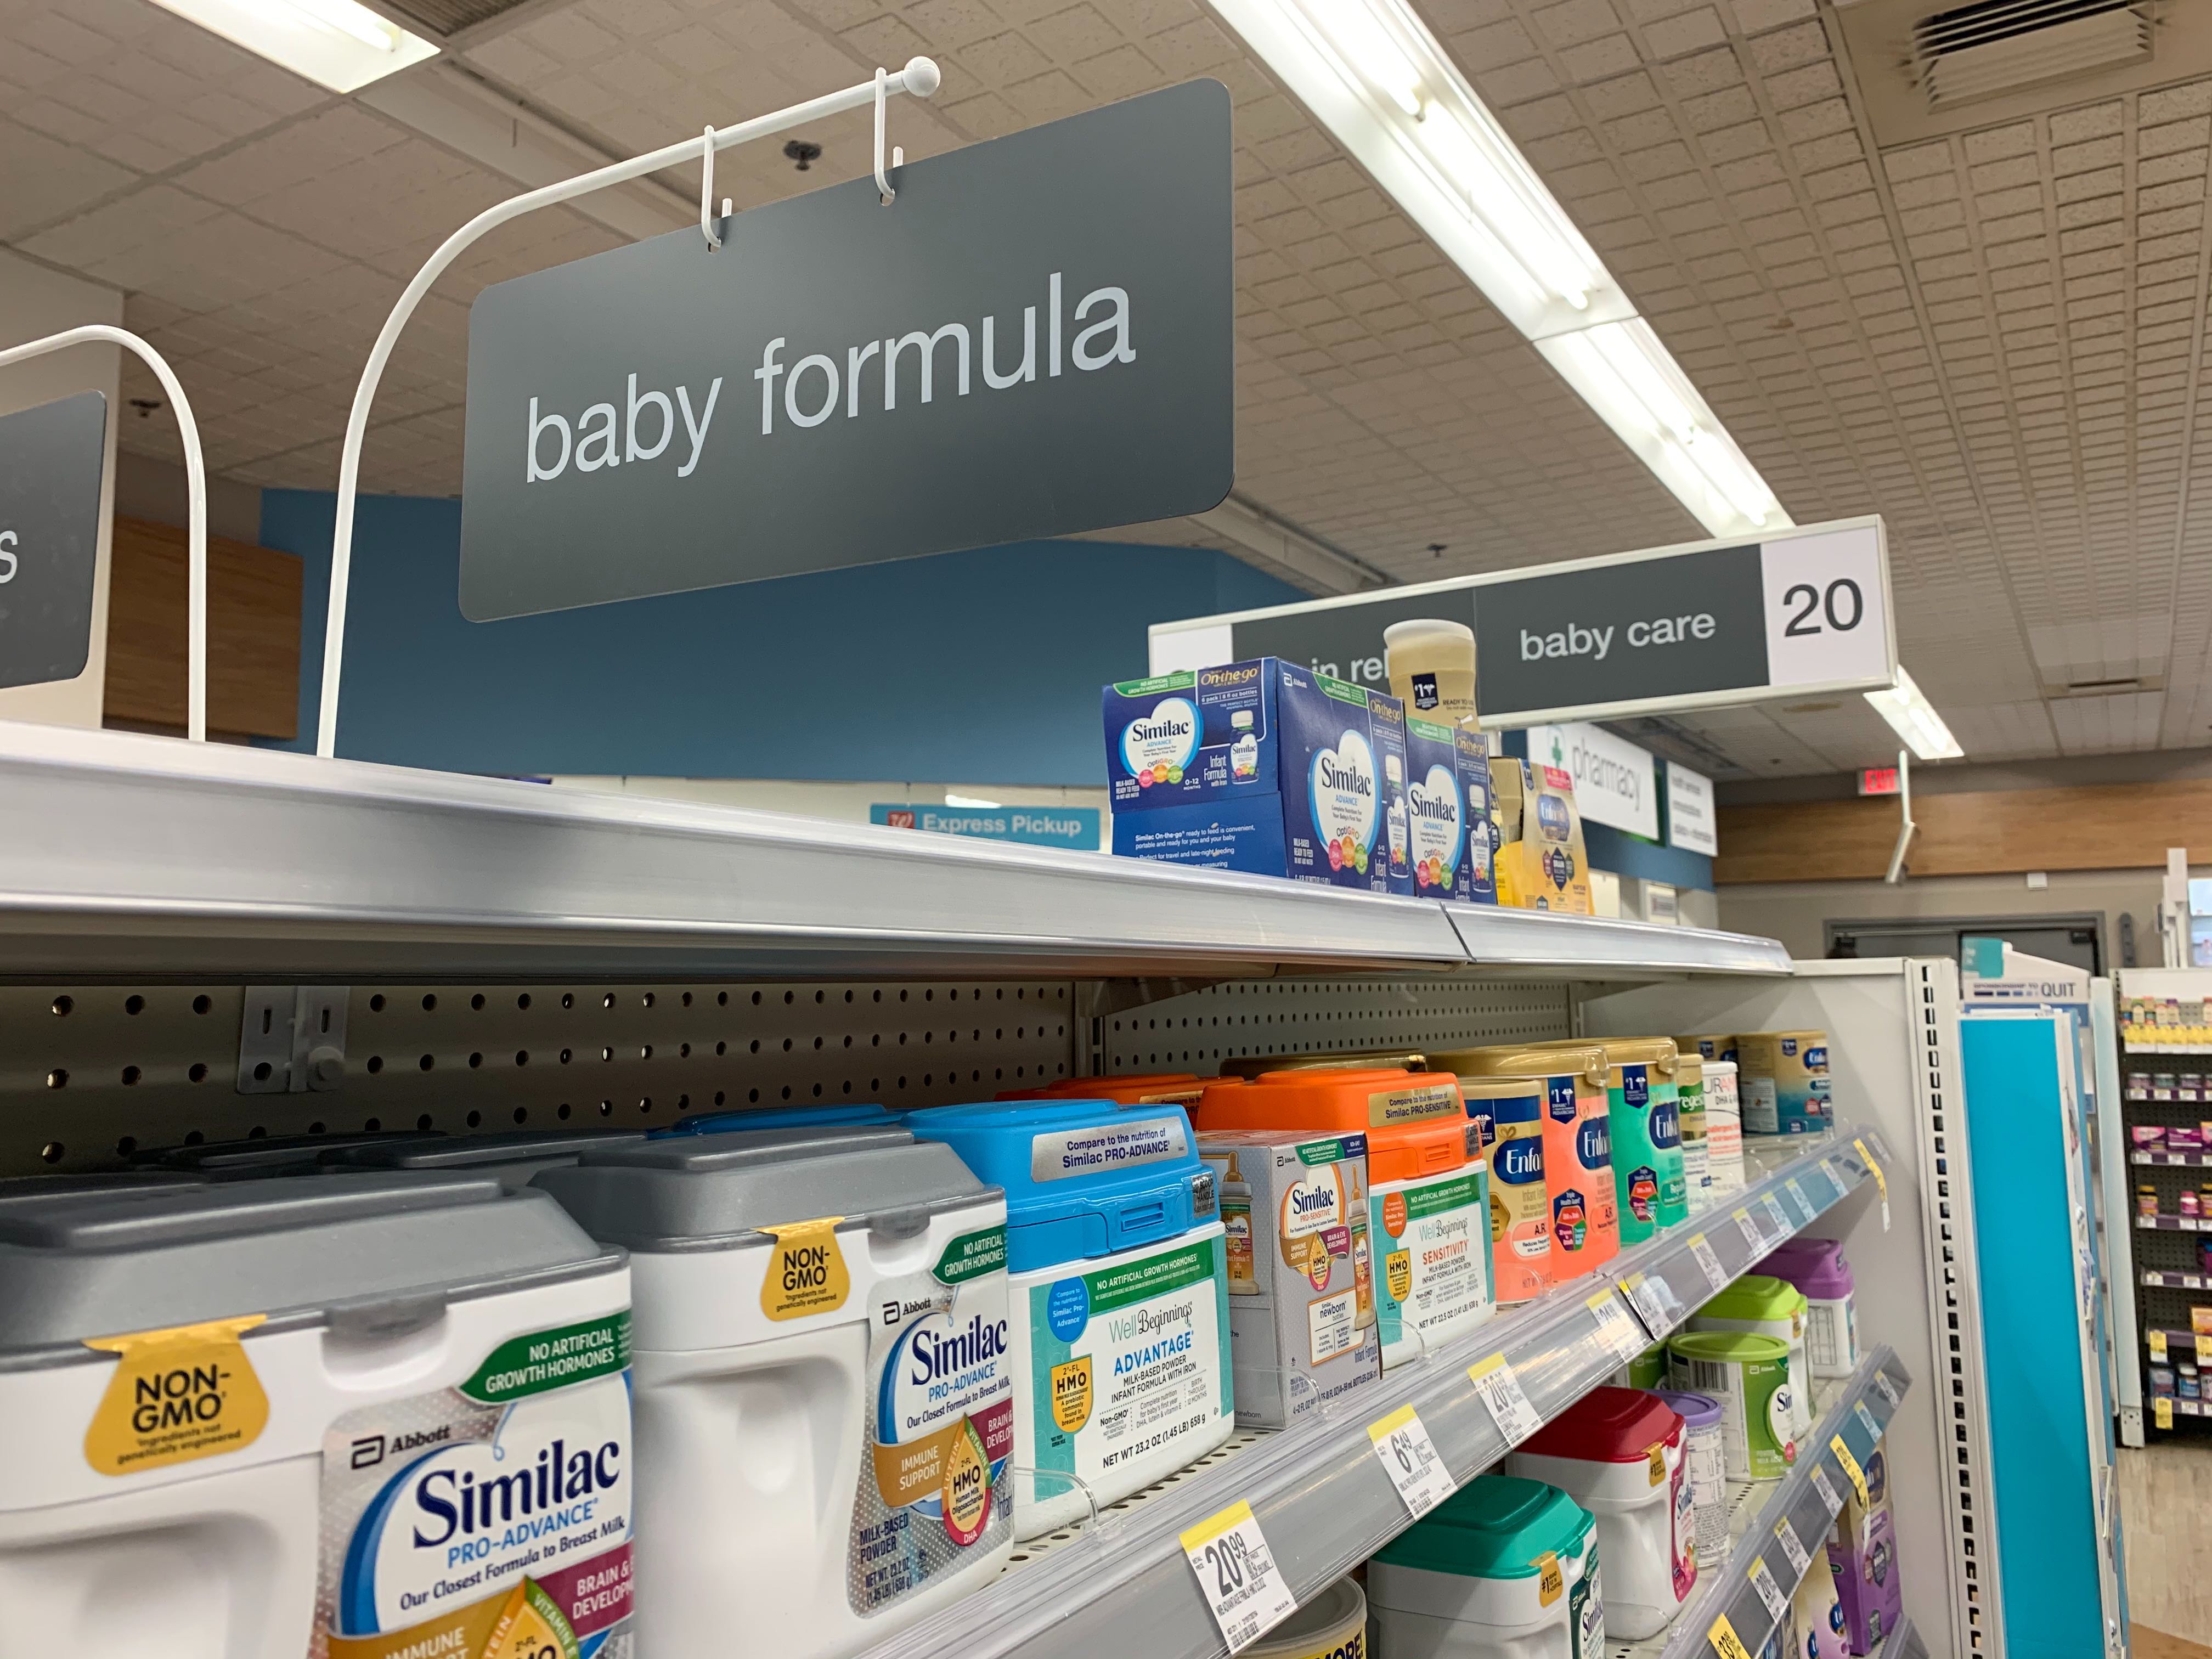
(1130, 1089)
(1364, 1060)
(1415, 1122)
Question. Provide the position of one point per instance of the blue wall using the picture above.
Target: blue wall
(978, 667)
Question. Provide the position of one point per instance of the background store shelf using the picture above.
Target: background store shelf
(2171, 1224)
(141, 855)
(1877, 1386)
(2172, 1281)
(2185, 1160)
(2127, 1045)
(1122, 1585)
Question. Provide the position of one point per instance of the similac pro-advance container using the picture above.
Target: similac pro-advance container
(1428, 1188)
(824, 1376)
(1120, 1291)
(1642, 1122)
(1765, 1306)
(343, 1416)
(1578, 1143)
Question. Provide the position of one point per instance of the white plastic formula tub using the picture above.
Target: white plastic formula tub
(825, 1389)
(342, 1415)
(1503, 1568)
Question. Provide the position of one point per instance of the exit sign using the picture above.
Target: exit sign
(1877, 781)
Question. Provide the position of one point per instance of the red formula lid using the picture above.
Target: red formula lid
(1607, 1425)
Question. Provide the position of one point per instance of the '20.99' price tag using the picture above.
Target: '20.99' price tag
(1237, 1575)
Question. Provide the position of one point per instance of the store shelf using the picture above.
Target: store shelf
(2188, 1160)
(2179, 1343)
(2181, 1407)
(130, 855)
(2170, 1098)
(2157, 1279)
(2174, 1223)
(1870, 1394)
(1122, 1585)
(2129, 1046)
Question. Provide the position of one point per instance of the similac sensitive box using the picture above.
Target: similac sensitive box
(1447, 809)
(1311, 806)
(1120, 1289)
(346, 1416)
(1388, 716)
(1302, 1326)
(823, 1377)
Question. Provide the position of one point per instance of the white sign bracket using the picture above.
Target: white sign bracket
(1905, 828)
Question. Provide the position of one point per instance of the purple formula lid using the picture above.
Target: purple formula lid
(1816, 1266)
(1698, 1411)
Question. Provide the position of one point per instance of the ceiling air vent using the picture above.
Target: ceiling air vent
(446, 18)
(1991, 48)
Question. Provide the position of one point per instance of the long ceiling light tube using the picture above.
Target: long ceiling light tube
(338, 44)
(1914, 719)
(1372, 74)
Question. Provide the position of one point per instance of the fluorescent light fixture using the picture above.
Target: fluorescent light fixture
(337, 44)
(951, 799)
(1914, 719)
(1373, 74)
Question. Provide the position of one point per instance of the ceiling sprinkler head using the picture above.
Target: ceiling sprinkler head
(804, 151)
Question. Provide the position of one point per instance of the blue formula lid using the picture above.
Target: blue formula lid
(781, 1117)
(1083, 1177)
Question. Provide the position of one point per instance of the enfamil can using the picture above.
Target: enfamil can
(1578, 1142)
(346, 1416)
(824, 1376)
(1119, 1286)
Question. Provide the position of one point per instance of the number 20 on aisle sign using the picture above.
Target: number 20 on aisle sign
(1826, 615)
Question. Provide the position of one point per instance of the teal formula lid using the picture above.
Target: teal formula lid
(1083, 1177)
(1729, 1346)
(1756, 1296)
(1496, 1526)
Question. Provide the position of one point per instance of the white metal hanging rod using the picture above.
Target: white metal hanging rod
(920, 78)
(195, 495)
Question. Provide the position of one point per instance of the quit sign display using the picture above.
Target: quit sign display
(1672, 627)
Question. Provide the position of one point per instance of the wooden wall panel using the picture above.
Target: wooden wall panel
(1998, 831)
(253, 633)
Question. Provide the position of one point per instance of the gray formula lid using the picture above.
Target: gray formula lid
(107, 1262)
(275, 1154)
(708, 1192)
(512, 1159)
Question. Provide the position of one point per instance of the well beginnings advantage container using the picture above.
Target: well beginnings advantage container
(1577, 1144)
(1705, 1462)
(1618, 1452)
(1119, 1278)
(823, 1379)
(1520, 1201)
(1750, 1377)
(255, 1419)
(1428, 1188)
(1766, 1306)
(1783, 1078)
(1503, 1568)
(1817, 1268)
(1333, 1626)
(1642, 1122)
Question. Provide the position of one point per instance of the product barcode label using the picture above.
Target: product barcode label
(1866, 1419)
(1774, 1213)
(1753, 1239)
(1707, 1262)
(1797, 1196)
(1792, 1549)
(1888, 1389)
(1237, 1575)
(1827, 1488)
(1409, 1457)
(1777, 1598)
(1615, 1328)
(1501, 1391)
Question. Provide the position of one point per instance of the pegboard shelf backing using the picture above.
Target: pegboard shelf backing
(1199, 1031)
(89, 1074)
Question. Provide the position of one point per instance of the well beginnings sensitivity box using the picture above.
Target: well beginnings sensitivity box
(1261, 766)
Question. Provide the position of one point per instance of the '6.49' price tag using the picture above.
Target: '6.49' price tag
(1237, 1575)
(1409, 1457)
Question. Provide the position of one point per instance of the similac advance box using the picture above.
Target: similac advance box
(1388, 716)
(1302, 1326)
(1120, 1288)
(824, 1380)
(348, 1417)
(1447, 809)
(1306, 799)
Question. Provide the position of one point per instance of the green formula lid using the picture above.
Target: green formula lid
(1729, 1346)
(1496, 1526)
(1756, 1296)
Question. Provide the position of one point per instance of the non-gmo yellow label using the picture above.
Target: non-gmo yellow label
(1398, 1274)
(1551, 1582)
(1071, 1395)
(176, 1395)
(806, 1273)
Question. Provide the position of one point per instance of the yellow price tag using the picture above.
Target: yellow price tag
(1726, 1643)
(1880, 1181)
(2158, 1344)
(2203, 1349)
(1852, 1472)
(2162, 1411)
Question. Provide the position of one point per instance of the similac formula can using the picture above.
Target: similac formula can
(348, 1416)
(1705, 1461)
(1520, 1204)
(1783, 1078)
(1646, 1130)
(1767, 1306)
(824, 1380)
(1723, 1129)
(1333, 1626)
(1428, 1194)
(1120, 1284)
(1503, 1568)
(1578, 1143)
(1817, 1268)
(1750, 1377)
